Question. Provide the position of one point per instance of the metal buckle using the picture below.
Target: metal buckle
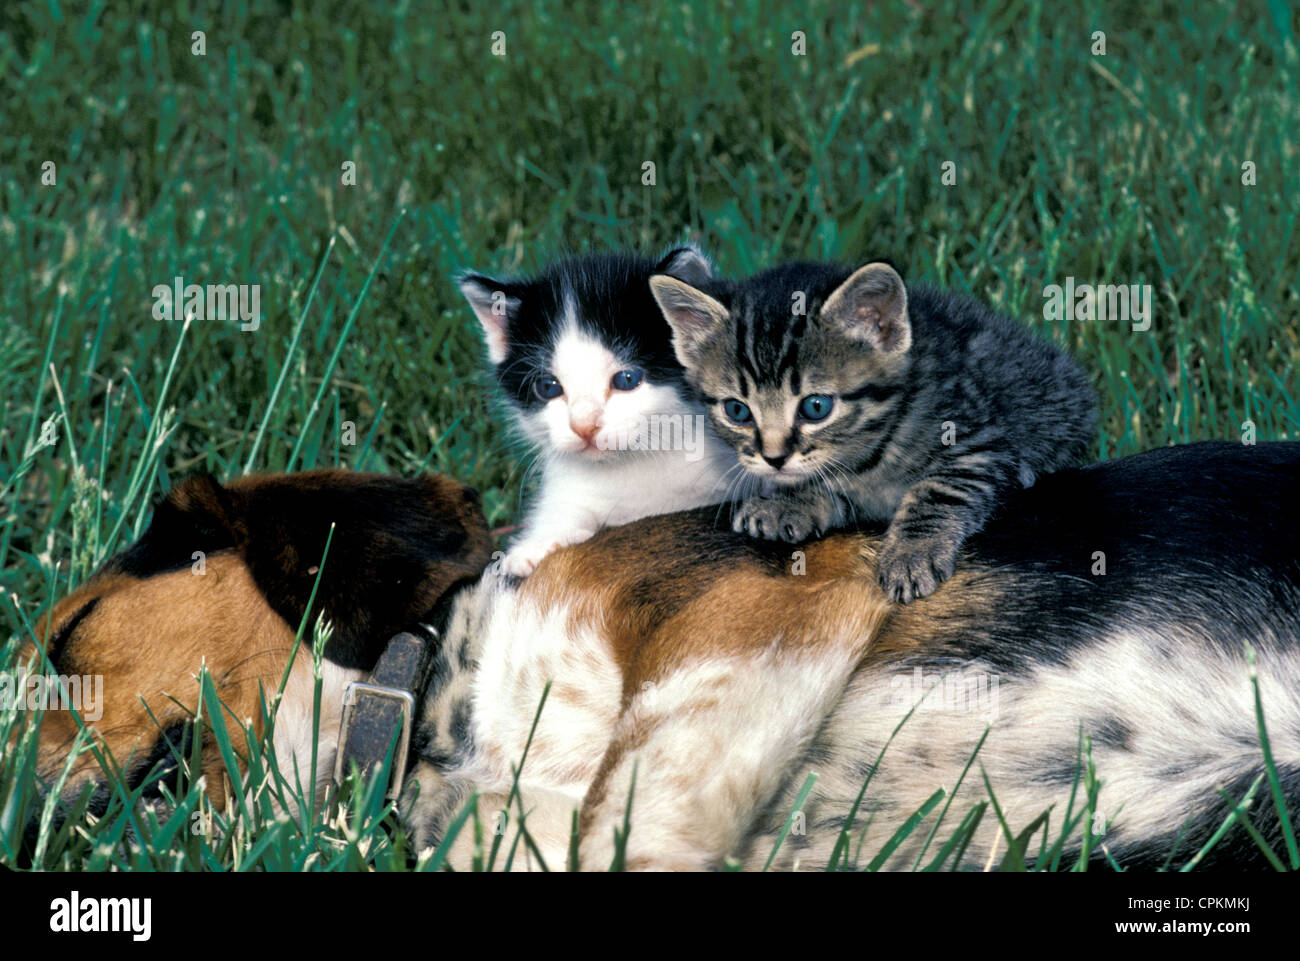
(407, 700)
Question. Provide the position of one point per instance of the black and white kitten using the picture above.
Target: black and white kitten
(850, 396)
(586, 363)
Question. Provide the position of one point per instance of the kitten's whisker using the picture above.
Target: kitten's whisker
(824, 479)
(723, 480)
(731, 486)
(844, 479)
(738, 488)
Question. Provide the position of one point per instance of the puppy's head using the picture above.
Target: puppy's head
(224, 576)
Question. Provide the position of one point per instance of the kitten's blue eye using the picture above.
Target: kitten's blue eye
(547, 388)
(737, 412)
(815, 407)
(627, 379)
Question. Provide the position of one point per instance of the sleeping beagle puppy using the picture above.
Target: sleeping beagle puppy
(224, 576)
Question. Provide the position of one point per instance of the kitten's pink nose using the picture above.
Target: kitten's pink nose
(585, 429)
(584, 419)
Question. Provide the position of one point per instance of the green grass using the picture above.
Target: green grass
(226, 168)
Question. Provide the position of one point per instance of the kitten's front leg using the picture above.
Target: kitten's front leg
(562, 515)
(792, 514)
(934, 519)
(524, 555)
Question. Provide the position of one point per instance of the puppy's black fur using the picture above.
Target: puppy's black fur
(397, 546)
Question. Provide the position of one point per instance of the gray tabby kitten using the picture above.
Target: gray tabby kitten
(849, 396)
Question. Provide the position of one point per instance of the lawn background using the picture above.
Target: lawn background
(226, 168)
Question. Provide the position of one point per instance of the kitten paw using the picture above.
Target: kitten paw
(911, 568)
(522, 559)
(774, 520)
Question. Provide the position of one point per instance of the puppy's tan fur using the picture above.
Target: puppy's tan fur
(148, 631)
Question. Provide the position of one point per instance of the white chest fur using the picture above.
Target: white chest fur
(639, 485)
(579, 496)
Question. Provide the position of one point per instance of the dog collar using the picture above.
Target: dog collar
(379, 712)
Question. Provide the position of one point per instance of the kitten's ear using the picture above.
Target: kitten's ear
(494, 308)
(687, 263)
(693, 315)
(872, 306)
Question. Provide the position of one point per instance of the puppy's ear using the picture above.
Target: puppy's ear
(396, 547)
(197, 518)
(202, 494)
(495, 304)
(694, 316)
(687, 263)
(872, 306)
(210, 509)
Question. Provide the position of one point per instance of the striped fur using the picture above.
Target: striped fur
(938, 407)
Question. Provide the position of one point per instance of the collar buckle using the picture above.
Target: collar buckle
(382, 708)
(405, 701)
